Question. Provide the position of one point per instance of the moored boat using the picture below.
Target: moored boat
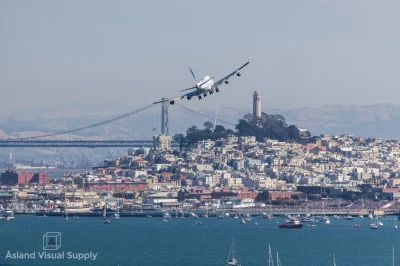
(292, 224)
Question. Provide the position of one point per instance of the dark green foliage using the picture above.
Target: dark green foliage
(269, 126)
(266, 126)
(194, 134)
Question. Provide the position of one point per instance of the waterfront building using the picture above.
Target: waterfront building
(116, 187)
(162, 142)
(25, 178)
(9, 178)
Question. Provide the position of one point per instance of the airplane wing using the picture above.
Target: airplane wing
(219, 82)
(189, 94)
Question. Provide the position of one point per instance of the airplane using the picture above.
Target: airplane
(203, 87)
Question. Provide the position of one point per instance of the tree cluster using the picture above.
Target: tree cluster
(266, 126)
(194, 134)
(270, 126)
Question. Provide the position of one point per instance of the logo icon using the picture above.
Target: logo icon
(51, 241)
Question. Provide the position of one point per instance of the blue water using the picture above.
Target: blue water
(148, 241)
(56, 174)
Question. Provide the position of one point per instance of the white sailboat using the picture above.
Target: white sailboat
(106, 221)
(333, 258)
(231, 260)
(65, 206)
(374, 225)
(116, 215)
(340, 207)
(393, 255)
(278, 262)
(270, 258)
(312, 220)
(65, 217)
(395, 224)
(324, 216)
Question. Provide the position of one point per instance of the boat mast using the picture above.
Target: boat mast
(270, 259)
(230, 251)
(278, 262)
(393, 255)
(333, 258)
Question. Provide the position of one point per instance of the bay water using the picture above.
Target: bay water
(149, 241)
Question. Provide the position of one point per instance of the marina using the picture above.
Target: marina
(188, 240)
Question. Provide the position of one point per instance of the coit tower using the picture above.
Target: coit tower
(257, 104)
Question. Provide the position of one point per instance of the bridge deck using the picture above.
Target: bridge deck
(78, 143)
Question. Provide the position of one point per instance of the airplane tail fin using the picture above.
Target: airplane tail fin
(191, 71)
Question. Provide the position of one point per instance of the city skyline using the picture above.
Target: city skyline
(338, 53)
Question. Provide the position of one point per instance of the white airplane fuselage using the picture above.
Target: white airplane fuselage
(206, 86)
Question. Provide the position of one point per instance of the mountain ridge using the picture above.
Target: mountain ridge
(376, 120)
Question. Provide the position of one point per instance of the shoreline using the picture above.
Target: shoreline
(254, 213)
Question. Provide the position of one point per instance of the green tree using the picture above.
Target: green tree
(208, 125)
(181, 139)
(293, 133)
(219, 129)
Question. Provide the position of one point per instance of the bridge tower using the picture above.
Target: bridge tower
(164, 117)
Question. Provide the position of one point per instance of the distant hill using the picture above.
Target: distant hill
(380, 120)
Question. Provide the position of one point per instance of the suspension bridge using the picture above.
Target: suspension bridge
(151, 123)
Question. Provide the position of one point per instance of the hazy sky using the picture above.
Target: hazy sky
(303, 53)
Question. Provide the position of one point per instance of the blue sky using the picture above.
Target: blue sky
(303, 53)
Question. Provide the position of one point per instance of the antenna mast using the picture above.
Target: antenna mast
(216, 117)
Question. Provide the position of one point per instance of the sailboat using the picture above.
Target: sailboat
(206, 214)
(395, 224)
(65, 217)
(278, 262)
(116, 214)
(312, 220)
(106, 221)
(374, 225)
(324, 217)
(231, 260)
(393, 255)
(270, 259)
(165, 215)
(333, 258)
(337, 216)
(348, 217)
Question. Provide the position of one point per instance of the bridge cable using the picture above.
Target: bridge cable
(90, 126)
(202, 114)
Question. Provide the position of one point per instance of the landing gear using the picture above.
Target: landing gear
(205, 94)
(199, 97)
(216, 90)
(189, 97)
(211, 92)
(172, 102)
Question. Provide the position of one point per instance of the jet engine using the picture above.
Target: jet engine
(189, 97)
(172, 102)
(226, 81)
(238, 74)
